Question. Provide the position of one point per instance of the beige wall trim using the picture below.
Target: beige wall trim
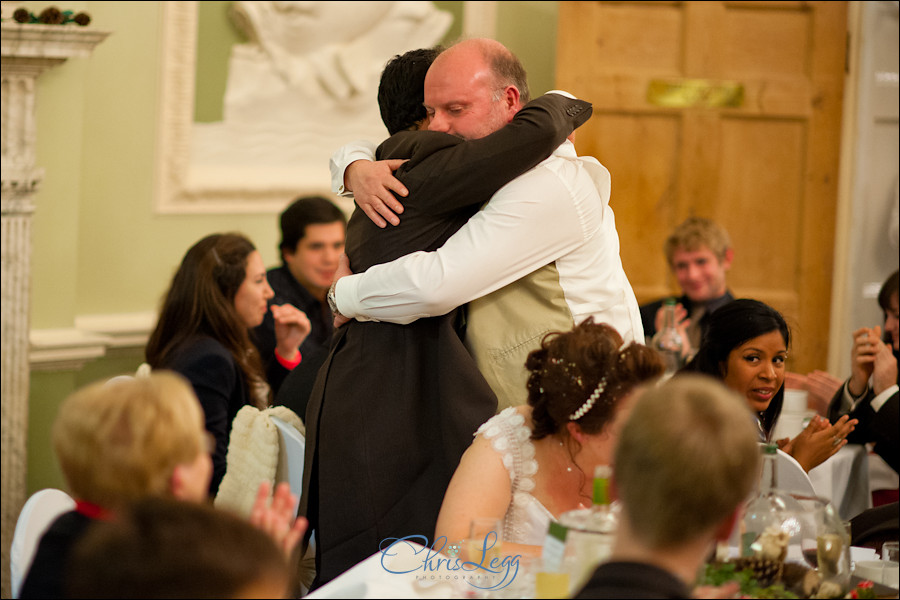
(93, 337)
(480, 19)
(840, 289)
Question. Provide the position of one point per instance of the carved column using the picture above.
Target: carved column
(27, 50)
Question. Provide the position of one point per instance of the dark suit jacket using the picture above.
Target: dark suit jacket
(881, 428)
(46, 576)
(633, 580)
(221, 387)
(395, 406)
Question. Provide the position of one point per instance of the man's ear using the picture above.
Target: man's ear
(511, 98)
(726, 260)
(723, 530)
(613, 488)
(177, 482)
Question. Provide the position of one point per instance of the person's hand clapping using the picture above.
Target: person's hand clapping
(822, 386)
(291, 328)
(884, 372)
(862, 358)
(681, 324)
(278, 518)
(372, 184)
(819, 441)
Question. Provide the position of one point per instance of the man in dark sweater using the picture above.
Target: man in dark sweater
(313, 230)
(699, 254)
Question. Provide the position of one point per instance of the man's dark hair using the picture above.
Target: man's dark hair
(890, 287)
(401, 93)
(310, 210)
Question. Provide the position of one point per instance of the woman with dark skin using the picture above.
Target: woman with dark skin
(746, 347)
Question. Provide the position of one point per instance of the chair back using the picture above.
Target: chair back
(791, 476)
(39, 512)
(291, 455)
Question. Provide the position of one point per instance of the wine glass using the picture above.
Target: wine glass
(824, 541)
(485, 541)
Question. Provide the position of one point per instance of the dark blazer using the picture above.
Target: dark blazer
(633, 580)
(46, 576)
(221, 387)
(881, 428)
(395, 406)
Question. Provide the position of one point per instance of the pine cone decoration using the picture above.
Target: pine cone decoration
(82, 19)
(766, 571)
(51, 16)
(21, 15)
(799, 579)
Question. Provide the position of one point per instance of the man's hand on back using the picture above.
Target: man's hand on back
(372, 184)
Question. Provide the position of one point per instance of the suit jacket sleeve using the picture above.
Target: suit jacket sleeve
(447, 174)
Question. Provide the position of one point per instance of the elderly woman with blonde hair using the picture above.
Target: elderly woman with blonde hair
(121, 441)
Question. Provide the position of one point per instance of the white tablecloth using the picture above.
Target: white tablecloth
(409, 570)
(844, 480)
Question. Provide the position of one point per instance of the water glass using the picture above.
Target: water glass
(890, 556)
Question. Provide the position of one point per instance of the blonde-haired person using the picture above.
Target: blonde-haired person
(529, 464)
(120, 441)
(699, 254)
(687, 458)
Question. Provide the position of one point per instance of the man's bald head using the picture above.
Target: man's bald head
(474, 88)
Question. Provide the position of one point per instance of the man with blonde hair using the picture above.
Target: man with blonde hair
(686, 460)
(699, 254)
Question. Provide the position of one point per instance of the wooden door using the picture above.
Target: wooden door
(726, 110)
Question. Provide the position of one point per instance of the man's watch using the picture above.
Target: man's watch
(332, 302)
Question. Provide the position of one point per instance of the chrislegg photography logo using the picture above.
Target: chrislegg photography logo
(478, 563)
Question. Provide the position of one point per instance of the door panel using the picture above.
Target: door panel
(747, 133)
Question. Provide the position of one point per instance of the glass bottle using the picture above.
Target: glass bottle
(779, 527)
(591, 531)
(771, 520)
(668, 341)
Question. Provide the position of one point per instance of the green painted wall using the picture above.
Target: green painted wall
(99, 247)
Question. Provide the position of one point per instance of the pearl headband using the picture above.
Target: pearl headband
(589, 403)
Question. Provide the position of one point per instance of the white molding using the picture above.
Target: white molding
(92, 338)
(128, 330)
(184, 188)
(480, 19)
(64, 349)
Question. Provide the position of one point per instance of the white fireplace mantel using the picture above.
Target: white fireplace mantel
(26, 51)
(42, 46)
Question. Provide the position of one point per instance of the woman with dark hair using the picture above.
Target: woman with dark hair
(219, 292)
(529, 464)
(746, 346)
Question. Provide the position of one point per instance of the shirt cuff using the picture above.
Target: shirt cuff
(288, 364)
(346, 297)
(879, 400)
